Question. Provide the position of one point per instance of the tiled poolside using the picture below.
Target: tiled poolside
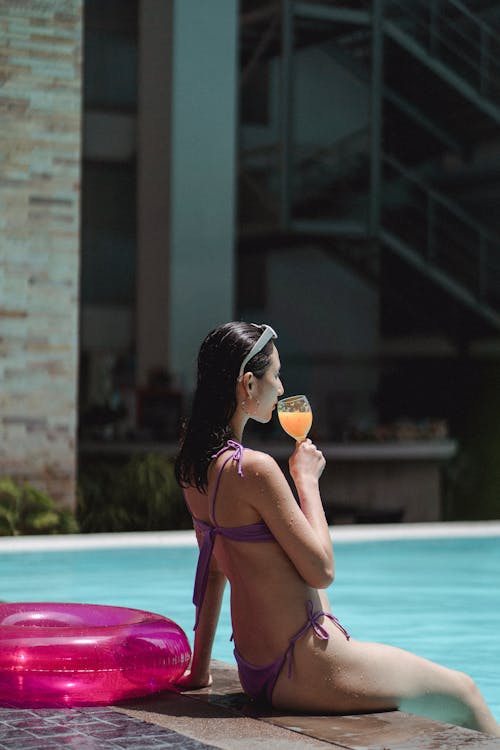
(221, 717)
(85, 729)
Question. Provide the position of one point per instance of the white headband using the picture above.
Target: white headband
(267, 334)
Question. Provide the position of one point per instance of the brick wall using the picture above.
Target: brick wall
(40, 134)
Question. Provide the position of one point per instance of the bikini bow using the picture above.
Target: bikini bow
(237, 455)
(321, 632)
(313, 619)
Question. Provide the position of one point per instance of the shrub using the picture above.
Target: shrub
(472, 479)
(24, 509)
(141, 495)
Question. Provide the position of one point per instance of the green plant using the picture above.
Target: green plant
(472, 479)
(25, 509)
(140, 495)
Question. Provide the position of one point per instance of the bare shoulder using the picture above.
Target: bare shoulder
(262, 471)
(267, 489)
(260, 466)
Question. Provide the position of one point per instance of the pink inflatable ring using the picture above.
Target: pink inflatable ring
(86, 654)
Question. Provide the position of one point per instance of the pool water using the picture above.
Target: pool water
(439, 598)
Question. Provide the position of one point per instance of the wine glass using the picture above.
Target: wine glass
(295, 416)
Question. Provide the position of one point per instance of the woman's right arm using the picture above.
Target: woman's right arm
(306, 466)
(301, 530)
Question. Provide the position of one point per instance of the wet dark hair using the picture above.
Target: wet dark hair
(214, 402)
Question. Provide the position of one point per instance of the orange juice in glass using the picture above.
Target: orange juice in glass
(295, 416)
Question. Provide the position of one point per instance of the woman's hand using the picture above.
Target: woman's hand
(306, 463)
(192, 681)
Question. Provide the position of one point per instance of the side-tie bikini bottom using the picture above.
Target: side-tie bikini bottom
(259, 682)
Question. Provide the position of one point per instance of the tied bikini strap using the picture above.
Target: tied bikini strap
(238, 457)
(312, 622)
(209, 532)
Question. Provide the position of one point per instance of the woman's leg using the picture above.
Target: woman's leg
(351, 676)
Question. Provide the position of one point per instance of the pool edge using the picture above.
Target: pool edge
(341, 533)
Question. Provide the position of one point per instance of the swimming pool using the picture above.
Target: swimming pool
(439, 597)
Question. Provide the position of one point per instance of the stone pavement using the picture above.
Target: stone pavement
(223, 717)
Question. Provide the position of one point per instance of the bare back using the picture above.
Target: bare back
(264, 579)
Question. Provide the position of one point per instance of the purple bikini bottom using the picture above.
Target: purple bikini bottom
(259, 682)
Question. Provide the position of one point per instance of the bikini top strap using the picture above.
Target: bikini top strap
(236, 456)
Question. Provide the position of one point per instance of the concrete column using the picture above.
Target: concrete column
(204, 111)
(153, 185)
(186, 179)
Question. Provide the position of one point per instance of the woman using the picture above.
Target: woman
(278, 556)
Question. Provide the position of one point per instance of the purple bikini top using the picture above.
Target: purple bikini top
(252, 532)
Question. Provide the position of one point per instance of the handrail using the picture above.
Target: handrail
(266, 200)
(461, 8)
(341, 142)
(260, 14)
(321, 151)
(477, 259)
(259, 50)
(450, 205)
(480, 63)
(453, 243)
(473, 17)
(453, 25)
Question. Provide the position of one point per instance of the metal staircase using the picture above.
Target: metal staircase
(377, 188)
(455, 43)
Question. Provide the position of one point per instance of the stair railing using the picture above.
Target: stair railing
(442, 232)
(423, 220)
(455, 36)
(314, 167)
